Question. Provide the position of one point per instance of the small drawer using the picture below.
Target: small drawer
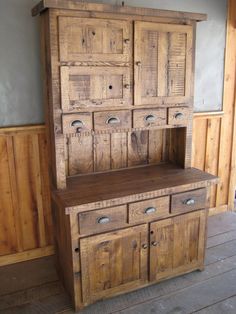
(178, 116)
(112, 120)
(188, 201)
(149, 118)
(152, 209)
(101, 220)
(77, 122)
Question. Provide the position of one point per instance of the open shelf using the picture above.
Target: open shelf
(122, 186)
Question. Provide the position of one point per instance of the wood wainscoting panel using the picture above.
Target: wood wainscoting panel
(25, 211)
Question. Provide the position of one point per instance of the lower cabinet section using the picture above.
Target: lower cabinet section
(114, 262)
(177, 245)
(124, 260)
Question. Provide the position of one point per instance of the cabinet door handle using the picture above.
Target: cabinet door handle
(150, 118)
(103, 220)
(127, 40)
(154, 243)
(189, 201)
(145, 246)
(150, 210)
(127, 86)
(113, 120)
(179, 115)
(138, 63)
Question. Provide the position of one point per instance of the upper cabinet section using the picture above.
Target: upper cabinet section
(94, 40)
(162, 63)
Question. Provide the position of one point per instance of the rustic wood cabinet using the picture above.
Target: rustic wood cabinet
(128, 208)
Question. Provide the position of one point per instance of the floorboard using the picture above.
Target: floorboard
(210, 291)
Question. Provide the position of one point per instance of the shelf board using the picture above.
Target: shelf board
(100, 190)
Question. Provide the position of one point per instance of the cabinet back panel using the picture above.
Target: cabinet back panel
(103, 152)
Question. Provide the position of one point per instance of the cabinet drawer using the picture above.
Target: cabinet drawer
(178, 116)
(149, 210)
(149, 118)
(77, 122)
(188, 201)
(112, 120)
(97, 221)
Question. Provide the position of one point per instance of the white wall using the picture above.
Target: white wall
(20, 79)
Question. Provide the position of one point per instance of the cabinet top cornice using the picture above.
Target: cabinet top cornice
(108, 8)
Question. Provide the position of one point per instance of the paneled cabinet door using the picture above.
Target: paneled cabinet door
(83, 87)
(177, 245)
(94, 40)
(162, 63)
(114, 262)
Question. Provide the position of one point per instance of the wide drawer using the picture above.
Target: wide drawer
(149, 118)
(178, 116)
(188, 201)
(77, 122)
(108, 120)
(149, 210)
(97, 221)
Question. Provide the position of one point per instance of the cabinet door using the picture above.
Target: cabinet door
(94, 86)
(94, 40)
(163, 63)
(177, 245)
(113, 262)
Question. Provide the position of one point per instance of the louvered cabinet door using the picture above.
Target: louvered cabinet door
(162, 63)
(177, 245)
(94, 40)
(113, 263)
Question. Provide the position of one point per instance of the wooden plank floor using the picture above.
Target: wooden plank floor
(33, 287)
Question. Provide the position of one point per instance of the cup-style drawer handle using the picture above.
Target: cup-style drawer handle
(127, 86)
(103, 220)
(77, 123)
(150, 210)
(138, 63)
(154, 243)
(189, 201)
(179, 115)
(113, 120)
(150, 118)
(127, 40)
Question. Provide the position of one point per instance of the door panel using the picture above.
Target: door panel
(163, 63)
(94, 40)
(94, 86)
(177, 245)
(113, 262)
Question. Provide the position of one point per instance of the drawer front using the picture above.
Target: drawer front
(77, 122)
(112, 120)
(188, 201)
(178, 116)
(97, 221)
(149, 210)
(149, 118)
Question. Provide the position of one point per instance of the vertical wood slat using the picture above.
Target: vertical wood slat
(25, 199)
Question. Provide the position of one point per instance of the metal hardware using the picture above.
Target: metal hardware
(103, 220)
(138, 63)
(154, 243)
(189, 201)
(150, 118)
(113, 120)
(145, 246)
(127, 40)
(127, 86)
(179, 115)
(150, 210)
(77, 123)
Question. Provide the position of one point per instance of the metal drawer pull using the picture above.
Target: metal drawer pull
(103, 220)
(154, 243)
(113, 120)
(145, 246)
(138, 63)
(150, 210)
(127, 86)
(150, 118)
(77, 123)
(190, 201)
(127, 40)
(179, 115)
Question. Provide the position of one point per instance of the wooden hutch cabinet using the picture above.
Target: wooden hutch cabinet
(128, 208)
